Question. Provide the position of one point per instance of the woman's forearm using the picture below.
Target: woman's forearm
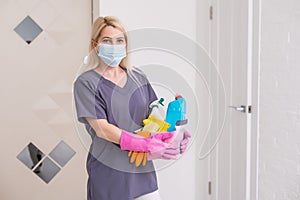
(105, 130)
(129, 141)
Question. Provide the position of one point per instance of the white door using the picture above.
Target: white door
(43, 43)
(228, 162)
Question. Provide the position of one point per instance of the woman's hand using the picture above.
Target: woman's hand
(169, 153)
(184, 142)
(140, 158)
(134, 142)
(173, 148)
(177, 145)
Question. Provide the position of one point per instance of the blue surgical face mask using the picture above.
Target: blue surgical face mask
(112, 54)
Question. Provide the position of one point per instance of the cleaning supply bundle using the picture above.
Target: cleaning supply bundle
(161, 121)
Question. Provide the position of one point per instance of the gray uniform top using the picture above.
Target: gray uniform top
(111, 175)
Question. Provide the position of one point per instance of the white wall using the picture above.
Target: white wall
(279, 143)
(177, 181)
(176, 15)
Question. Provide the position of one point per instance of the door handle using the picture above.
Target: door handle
(241, 108)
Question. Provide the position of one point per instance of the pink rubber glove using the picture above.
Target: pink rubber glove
(172, 149)
(178, 141)
(184, 142)
(168, 154)
(154, 143)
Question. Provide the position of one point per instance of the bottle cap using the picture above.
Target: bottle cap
(178, 96)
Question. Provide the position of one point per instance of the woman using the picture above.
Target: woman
(112, 98)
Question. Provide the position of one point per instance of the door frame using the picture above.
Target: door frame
(95, 7)
(255, 11)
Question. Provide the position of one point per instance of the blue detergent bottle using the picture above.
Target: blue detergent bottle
(176, 113)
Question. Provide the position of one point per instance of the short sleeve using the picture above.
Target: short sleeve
(88, 102)
(151, 92)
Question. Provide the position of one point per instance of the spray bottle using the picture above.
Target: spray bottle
(155, 122)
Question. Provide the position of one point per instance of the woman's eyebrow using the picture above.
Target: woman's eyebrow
(122, 37)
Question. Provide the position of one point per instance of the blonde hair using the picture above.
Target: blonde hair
(93, 59)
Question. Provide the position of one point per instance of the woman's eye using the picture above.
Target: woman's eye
(106, 41)
(120, 41)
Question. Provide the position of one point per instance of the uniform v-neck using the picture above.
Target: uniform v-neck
(112, 84)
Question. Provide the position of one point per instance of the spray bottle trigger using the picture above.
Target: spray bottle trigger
(161, 100)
